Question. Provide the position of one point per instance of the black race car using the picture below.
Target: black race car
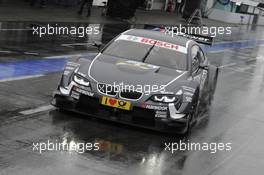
(143, 78)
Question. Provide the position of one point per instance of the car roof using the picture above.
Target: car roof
(156, 35)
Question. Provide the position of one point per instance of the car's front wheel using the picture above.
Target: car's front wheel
(192, 114)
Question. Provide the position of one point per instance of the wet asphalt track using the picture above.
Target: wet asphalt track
(236, 116)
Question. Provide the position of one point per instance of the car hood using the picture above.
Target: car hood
(108, 69)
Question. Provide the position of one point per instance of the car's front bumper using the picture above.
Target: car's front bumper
(138, 116)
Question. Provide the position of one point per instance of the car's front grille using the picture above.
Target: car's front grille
(137, 115)
(131, 95)
(107, 89)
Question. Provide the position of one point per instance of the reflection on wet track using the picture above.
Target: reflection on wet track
(236, 116)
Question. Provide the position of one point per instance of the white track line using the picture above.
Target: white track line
(37, 110)
(31, 53)
(15, 29)
(63, 56)
(20, 78)
(5, 51)
(77, 44)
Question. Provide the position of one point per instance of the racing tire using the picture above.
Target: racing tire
(189, 126)
(192, 115)
(212, 86)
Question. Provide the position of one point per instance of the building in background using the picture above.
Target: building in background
(99, 2)
(235, 11)
(123, 9)
(155, 4)
(162, 5)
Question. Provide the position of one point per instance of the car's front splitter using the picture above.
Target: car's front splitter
(139, 117)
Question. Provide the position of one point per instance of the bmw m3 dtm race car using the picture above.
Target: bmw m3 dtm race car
(143, 78)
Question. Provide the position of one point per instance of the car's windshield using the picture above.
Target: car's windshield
(167, 58)
(127, 49)
(156, 55)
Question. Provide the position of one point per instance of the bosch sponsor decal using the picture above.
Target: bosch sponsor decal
(157, 43)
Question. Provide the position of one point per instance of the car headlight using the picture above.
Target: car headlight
(167, 98)
(81, 80)
(164, 98)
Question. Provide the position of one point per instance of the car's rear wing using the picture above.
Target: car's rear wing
(198, 38)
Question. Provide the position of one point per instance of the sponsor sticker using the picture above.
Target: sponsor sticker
(82, 91)
(66, 72)
(72, 64)
(188, 99)
(188, 89)
(158, 108)
(157, 43)
(75, 95)
(161, 114)
(115, 103)
(188, 94)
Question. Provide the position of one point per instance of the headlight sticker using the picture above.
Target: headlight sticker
(188, 89)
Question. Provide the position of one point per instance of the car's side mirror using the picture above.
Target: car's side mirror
(204, 67)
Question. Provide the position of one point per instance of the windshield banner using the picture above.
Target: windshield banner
(152, 42)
